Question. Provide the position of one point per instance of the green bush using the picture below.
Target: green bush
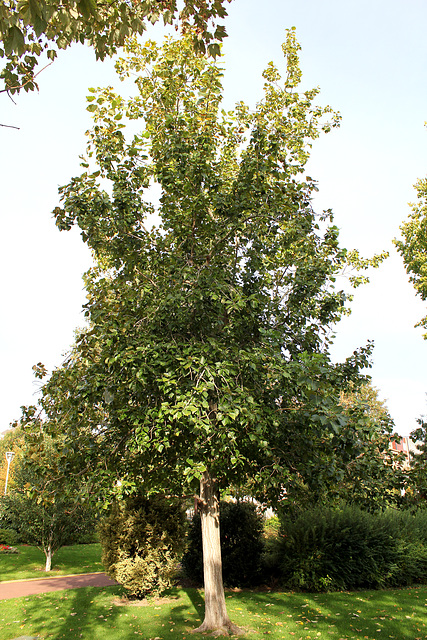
(326, 549)
(410, 529)
(141, 542)
(241, 530)
(8, 536)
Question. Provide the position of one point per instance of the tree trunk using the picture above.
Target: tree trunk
(216, 618)
(48, 553)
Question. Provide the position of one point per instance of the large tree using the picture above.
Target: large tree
(30, 29)
(206, 358)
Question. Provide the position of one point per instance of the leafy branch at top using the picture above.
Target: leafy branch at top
(31, 28)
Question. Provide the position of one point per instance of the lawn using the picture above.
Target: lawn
(93, 613)
(30, 562)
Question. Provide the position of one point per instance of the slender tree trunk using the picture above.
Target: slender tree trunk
(216, 617)
(48, 553)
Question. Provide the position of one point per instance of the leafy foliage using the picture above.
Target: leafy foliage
(47, 526)
(212, 329)
(241, 529)
(8, 536)
(41, 512)
(413, 246)
(373, 476)
(347, 548)
(366, 471)
(417, 490)
(141, 540)
(12, 440)
(30, 28)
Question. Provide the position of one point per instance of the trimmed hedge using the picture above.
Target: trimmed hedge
(141, 541)
(325, 549)
(241, 530)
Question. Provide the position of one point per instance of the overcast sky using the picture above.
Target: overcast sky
(370, 61)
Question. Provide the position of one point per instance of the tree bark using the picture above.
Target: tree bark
(48, 553)
(216, 617)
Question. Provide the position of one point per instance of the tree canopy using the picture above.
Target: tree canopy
(413, 246)
(31, 28)
(210, 310)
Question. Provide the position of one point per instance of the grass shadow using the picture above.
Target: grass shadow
(94, 613)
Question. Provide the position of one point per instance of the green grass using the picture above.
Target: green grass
(30, 562)
(91, 614)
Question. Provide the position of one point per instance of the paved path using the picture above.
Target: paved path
(19, 588)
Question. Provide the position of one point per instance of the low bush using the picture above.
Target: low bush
(241, 530)
(141, 541)
(326, 549)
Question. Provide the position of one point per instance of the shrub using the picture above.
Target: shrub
(8, 537)
(326, 549)
(241, 530)
(141, 541)
(410, 530)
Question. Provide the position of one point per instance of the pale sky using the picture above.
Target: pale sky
(370, 61)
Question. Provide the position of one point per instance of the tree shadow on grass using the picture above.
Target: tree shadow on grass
(398, 613)
(94, 613)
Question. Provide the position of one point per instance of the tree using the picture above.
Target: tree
(366, 472)
(31, 28)
(44, 509)
(413, 247)
(417, 493)
(206, 357)
(373, 478)
(12, 440)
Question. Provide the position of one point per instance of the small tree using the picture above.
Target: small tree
(48, 526)
(41, 507)
(11, 441)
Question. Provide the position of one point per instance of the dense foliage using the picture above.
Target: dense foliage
(334, 549)
(417, 482)
(210, 330)
(141, 542)
(241, 529)
(31, 28)
(413, 245)
(7, 536)
(370, 475)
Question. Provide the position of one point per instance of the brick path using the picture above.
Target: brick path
(19, 588)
